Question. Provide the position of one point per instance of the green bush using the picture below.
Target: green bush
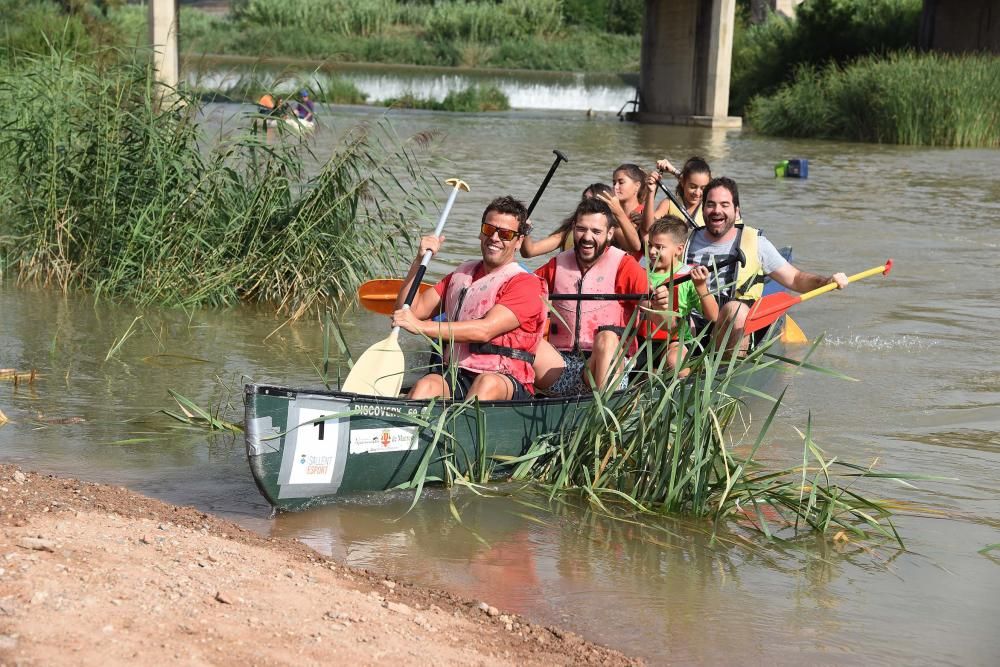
(904, 98)
(471, 99)
(113, 190)
(765, 56)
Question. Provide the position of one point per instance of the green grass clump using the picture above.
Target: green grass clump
(119, 190)
(905, 98)
(673, 446)
(512, 34)
(766, 55)
(471, 99)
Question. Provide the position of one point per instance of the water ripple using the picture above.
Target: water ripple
(859, 342)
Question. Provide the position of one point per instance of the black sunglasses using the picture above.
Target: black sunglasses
(505, 234)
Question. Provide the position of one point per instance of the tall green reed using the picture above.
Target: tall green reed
(106, 185)
(905, 98)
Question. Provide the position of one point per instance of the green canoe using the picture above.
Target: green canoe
(306, 446)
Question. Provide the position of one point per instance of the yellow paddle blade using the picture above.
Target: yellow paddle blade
(792, 333)
(379, 371)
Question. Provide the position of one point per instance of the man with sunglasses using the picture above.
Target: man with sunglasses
(495, 309)
(585, 336)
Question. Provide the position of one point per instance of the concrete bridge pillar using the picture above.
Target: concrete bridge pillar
(687, 48)
(163, 22)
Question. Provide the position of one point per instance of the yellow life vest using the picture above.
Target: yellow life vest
(698, 217)
(749, 283)
(750, 278)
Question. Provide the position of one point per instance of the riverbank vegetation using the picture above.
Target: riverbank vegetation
(119, 190)
(575, 35)
(904, 98)
(849, 69)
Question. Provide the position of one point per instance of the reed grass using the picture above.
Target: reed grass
(766, 56)
(514, 33)
(668, 446)
(468, 100)
(904, 98)
(109, 186)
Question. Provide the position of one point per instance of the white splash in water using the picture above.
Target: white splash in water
(881, 342)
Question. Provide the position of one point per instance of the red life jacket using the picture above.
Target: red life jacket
(510, 353)
(583, 319)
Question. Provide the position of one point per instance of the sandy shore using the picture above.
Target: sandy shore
(94, 574)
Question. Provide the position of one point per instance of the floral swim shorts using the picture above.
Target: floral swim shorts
(571, 382)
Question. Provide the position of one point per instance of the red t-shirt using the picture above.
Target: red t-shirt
(630, 279)
(520, 296)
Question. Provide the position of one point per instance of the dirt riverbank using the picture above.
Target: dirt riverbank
(95, 574)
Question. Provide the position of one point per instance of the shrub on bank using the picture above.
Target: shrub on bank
(113, 190)
(471, 99)
(905, 98)
(765, 56)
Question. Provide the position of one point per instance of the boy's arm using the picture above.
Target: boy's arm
(707, 304)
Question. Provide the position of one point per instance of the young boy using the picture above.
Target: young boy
(667, 238)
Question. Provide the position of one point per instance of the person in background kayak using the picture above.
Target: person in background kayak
(584, 336)
(667, 241)
(737, 287)
(627, 205)
(496, 314)
(304, 107)
(562, 237)
(691, 182)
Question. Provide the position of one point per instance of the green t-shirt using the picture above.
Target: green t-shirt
(687, 298)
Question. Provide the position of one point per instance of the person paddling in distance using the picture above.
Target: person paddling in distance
(627, 205)
(691, 182)
(584, 336)
(738, 287)
(667, 241)
(562, 237)
(496, 314)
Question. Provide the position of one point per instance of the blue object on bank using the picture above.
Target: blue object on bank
(796, 168)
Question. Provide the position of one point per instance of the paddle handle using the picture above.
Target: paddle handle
(426, 259)
(418, 277)
(884, 270)
(679, 204)
(548, 177)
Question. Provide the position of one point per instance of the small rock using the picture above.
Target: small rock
(8, 642)
(19, 477)
(483, 607)
(108, 629)
(399, 608)
(146, 539)
(493, 612)
(211, 558)
(36, 544)
(39, 597)
(289, 573)
(223, 598)
(391, 585)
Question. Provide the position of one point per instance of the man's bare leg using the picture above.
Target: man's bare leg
(727, 333)
(602, 358)
(430, 386)
(548, 365)
(491, 387)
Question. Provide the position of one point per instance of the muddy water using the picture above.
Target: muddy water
(926, 400)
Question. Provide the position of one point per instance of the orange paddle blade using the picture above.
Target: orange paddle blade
(379, 296)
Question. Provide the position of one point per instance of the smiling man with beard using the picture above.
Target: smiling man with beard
(584, 338)
(496, 313)
(737, 287)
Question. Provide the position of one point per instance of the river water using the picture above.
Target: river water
(925, 400)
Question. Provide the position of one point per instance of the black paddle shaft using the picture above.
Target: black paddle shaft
(548, 177)
(739, 258)
(679, 204)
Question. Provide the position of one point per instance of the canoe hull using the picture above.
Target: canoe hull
(306, 447)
